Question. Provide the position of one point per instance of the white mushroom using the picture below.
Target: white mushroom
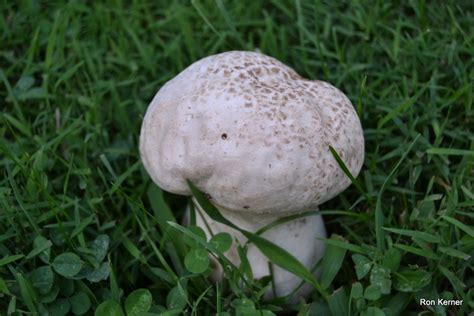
(254, 135)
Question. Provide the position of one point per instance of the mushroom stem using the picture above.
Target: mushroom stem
(300, 237)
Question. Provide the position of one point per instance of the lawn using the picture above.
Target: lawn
(83, 229)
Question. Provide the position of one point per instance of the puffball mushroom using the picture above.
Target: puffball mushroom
(254, 136)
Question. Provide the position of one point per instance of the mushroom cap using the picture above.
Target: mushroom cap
(251, 133)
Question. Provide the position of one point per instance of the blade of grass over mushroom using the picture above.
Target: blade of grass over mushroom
(379, 217)
(344, 168)
(284, 259)
(192, 214)
(274, 253)
(290, 218)
(208, 207)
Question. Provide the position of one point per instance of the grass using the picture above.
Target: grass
(83, 229)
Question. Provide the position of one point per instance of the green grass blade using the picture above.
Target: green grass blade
(27, 292)
(415, 234)
(284, 259)
(468, 230)
(339, 302)
(401, 108)
(344, 168)
(450, 251)
(208, 207)
(332, 262)
(417, 251)
(82, 225)
(345, 245)
(450, 152)
(162, 214)
(9, 259)
(457, 284)
(379, 217)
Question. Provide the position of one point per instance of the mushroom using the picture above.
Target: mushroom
(254, 136)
